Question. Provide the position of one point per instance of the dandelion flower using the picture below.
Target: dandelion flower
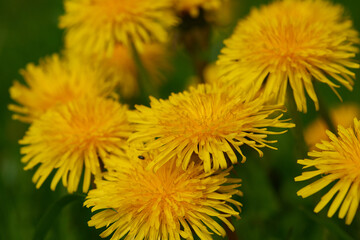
(206, 120)
(170, 204)
(122, 70)
(337, 164)
(193, 7)
(295, 42)
(55, 81)
(343, 115)
(95, 27)
(73, 137)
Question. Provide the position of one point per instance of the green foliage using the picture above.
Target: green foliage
(52, 213)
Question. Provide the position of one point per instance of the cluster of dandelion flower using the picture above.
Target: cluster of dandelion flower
(162, 172)
(175, 184)
(79, 131)
(75, 121)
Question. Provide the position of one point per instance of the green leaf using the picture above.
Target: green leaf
(327, 223)
(144, 79)
(52, 212)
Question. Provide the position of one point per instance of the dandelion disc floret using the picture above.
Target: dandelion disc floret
(95, 26)
(291, 42)
(206, 120)
(73, 137)
(135, 203)
(337, 163)
(55, 81)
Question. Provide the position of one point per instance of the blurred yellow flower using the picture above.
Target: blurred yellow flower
(206, 120)
(55, 81)
(122, 70)
(210, 75)
(96, 26)
(291, 41)
(342, 115)
(73, 137)
(337, 161)
(193, 7)
(224, 15)
(134, 203)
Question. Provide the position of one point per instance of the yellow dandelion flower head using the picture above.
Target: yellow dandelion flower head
(135, 203)
(337, 163)
(73, 137)
(96, 26)
(343, 115)
(122, 70)
(205, 120)
(193, 7)
(291, 41)
(55, 81)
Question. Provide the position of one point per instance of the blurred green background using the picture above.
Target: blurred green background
(272, 210)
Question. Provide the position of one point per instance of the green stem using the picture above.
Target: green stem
(195, 35)
(298, 130)
(325, 114)
(52, 212)
(145, 81)
(199, 65)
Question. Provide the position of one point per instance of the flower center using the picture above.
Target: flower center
(165, 193)
(204, 116)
